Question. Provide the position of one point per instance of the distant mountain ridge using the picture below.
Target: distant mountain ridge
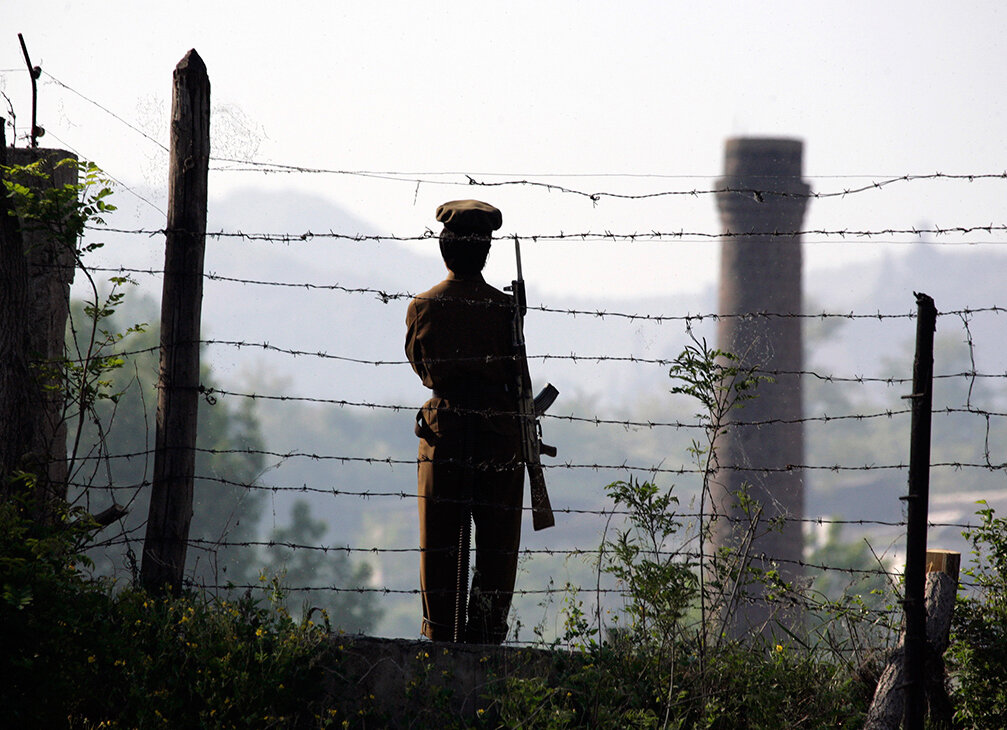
(356, 311)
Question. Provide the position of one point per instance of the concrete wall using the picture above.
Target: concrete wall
(396, 680)
(51, 266)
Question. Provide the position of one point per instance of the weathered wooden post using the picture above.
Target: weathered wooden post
(889, 704)
(167, 535)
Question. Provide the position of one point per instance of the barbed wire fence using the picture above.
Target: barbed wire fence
(569, 555)
(649, 446)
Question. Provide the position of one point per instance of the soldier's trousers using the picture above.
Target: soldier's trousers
(485, 465)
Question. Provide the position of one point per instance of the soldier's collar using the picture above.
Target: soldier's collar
(452, 276)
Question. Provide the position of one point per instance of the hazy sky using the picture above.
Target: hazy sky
(629, 97)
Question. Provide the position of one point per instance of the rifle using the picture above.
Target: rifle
(531, 408)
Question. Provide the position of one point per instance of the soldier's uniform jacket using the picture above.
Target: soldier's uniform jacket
(460, 342)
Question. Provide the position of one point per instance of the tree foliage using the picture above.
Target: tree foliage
(295, 557)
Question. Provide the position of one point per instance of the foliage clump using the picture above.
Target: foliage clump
(977, 654)
(80, 654)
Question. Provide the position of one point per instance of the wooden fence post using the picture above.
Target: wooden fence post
(167, 535)
(888, 706)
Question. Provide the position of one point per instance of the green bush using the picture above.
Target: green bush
(80, 654)
(977, 655)
(614, 685)
(51, 617)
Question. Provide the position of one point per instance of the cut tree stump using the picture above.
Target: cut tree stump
(888, 706)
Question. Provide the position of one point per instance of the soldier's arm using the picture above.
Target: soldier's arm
(413, 347)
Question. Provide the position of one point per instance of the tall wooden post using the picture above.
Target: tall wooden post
(181, 303)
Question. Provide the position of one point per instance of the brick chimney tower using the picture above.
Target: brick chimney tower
(762, 200)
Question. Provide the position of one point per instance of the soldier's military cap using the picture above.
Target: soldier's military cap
(470, 217)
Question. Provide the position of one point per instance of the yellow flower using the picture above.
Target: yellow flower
(260, 632)
(779, 647)
(91, 659)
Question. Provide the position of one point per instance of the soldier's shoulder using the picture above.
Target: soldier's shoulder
(434, 292)
(496, 294)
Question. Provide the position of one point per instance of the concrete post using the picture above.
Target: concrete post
(762, 200)
(51, 265)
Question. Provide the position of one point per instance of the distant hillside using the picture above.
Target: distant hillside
(336, 328)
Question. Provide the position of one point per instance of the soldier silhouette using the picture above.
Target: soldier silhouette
(461, 345)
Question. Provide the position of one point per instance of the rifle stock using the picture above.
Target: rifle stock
(541, 509)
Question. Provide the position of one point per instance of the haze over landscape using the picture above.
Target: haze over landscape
(351, 360)
(361, 120)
